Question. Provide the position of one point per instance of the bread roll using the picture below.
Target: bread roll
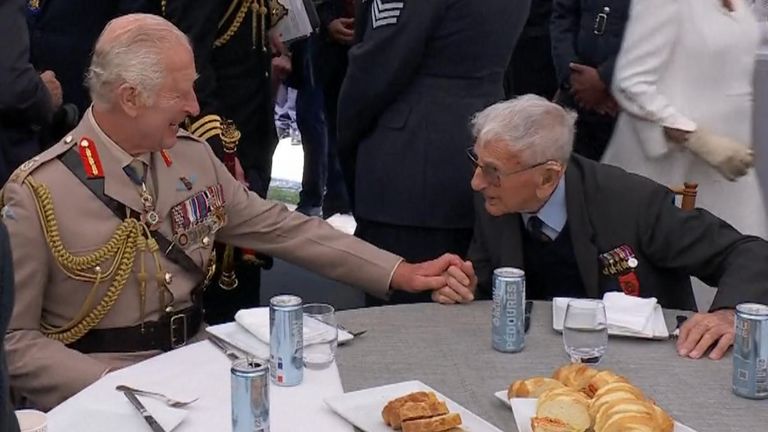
(548, 424)
(575, 375)
(663, 420)
(418, 410)
(600, 380)
(433, 424)
(394, 405)
(623, 406)
(567, 405)
(629, 422)
(532, 387)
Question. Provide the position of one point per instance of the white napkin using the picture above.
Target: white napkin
(256, 321)
(103, 417)
(630, 314)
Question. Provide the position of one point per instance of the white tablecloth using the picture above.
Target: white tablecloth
(198, 370)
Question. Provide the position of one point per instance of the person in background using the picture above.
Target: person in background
(8, 422)
(531, 69)
(580, 228)
(684, 81)
(418, 73)
(28, 99)
(586, 38)
(113, 228)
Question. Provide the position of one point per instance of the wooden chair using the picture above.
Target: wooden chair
(688, 193)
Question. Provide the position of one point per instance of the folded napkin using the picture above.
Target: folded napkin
(256, 321)
(630, 314)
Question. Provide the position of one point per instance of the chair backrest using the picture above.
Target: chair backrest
(688, 193)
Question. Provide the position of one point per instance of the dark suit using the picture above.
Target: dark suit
(25, 104)
(588, 32)
(607, 208)
(420, 71)
(8, 421)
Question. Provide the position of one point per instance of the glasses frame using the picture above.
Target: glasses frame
(492, 175)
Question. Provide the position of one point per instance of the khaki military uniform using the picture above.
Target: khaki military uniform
(44, 370)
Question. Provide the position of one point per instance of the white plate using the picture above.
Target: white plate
(525, 408)
(658, 324)
(363, 408)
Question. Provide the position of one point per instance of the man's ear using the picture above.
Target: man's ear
(130, 99)
(551, 175)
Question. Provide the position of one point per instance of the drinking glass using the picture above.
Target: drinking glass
(320, 335)
(585, 331)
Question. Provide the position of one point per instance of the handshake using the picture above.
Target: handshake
(731, 158)
(451, 279)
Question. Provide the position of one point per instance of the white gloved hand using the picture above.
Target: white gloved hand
(731, 158)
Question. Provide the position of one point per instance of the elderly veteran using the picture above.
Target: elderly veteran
(581, 228)
(112, 229)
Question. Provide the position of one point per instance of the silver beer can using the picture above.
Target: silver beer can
(250, 396)
(286, 340)
(750, 351)
(508, 310)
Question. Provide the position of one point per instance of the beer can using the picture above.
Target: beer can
(250, 396)
(750, 351)
(286, 340)
(508, 310)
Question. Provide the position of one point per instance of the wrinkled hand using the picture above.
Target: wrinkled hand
(461, 284)
(342, 30)
(731, 158)
(587, 88)
(240, 173)
(276, 43)
(425, 276)
(54, 88)
(705, 330)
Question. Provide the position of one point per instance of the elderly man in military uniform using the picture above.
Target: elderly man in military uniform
(112, 228)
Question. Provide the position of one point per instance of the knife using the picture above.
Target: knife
(224, 347)
(143, 411)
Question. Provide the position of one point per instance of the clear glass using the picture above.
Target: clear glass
(585, 331)
(320, 335)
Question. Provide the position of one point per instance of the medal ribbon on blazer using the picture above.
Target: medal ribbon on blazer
(621, 263)
(198, 216)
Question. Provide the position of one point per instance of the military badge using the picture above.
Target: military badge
(385, 13)
(199, 217)
(620, 263)
(90, 158)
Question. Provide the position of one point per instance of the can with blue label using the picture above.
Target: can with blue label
(508, 310)
(250, 396)
(286, 340)
(750, 351)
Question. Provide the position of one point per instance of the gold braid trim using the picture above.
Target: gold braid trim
(235, 24)
(122, 247)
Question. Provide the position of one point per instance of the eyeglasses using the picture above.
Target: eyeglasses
(492, 174)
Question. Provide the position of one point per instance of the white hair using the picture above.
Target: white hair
(536, 129)
(130, 51)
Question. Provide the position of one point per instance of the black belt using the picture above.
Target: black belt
(171, 331)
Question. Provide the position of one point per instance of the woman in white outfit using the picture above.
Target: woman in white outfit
(684, 81)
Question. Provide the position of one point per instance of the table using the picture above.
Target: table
(449, 349)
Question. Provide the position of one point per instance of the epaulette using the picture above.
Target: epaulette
(206, 127)
(29, 166)
(183, 133)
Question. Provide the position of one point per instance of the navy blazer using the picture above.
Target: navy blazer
(8, 421)
(609, 207)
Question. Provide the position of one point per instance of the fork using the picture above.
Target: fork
(353, 333)
(168, 401)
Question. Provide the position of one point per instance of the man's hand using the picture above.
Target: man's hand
(461, 284)
(425, 276)
(342, 30)
(276, 44)
(54, 88)
(240, 173)
(705, 330)
(587, 88)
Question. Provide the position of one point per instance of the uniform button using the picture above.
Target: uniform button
(68, 139)
(168, 278)
(206, 241)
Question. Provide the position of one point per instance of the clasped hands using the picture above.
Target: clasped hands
(451, 279)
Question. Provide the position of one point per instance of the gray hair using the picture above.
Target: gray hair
(130, 51)
(533, 127)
